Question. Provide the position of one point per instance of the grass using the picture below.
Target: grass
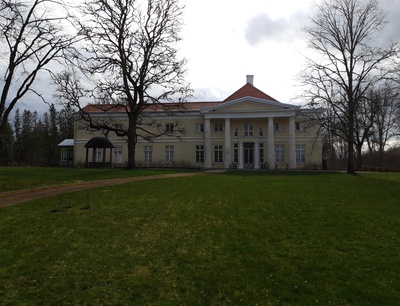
(245, 238)
(17, 178)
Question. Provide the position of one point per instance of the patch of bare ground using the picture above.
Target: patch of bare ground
(16, 197)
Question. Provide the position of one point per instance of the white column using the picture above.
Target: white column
(207, 144)
(292, 144)
(271, 144)
(228, 151)
(256, 155)
(241, 156)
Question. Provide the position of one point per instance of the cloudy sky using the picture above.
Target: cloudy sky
(225, 40)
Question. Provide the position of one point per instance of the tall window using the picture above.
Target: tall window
(260, 132)
(169, 127)
(199, 128)
(148, 154)
(261, 152)
(299, 126)
(64, 154)
(218, 127)
(218, 153)
(248, 129)
(199, 154)
(118, 155)
(278, 127)
(279, 153)
(235, 153)
(98, 155)
(236, 133)
(169, 154)
(300, 154)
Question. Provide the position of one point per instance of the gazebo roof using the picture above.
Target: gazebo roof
(99, 142)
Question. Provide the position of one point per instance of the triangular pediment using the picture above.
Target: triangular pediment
(249, 104)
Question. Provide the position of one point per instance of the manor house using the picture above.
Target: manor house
(247, 130)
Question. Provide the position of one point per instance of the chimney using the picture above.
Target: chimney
(249, 79)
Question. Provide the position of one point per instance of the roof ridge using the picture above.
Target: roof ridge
(248, 90)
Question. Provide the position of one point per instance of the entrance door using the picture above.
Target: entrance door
(248, 154)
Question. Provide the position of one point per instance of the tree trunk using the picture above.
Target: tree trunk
(350, 139)
(359, 157)
(132, 140)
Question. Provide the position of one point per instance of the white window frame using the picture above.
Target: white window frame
(64, 154)
(169, 154)
(218, 127)
(98, 155)
(199, 127)
(169, 127)
(280, 153)
(218, 154)
(235, 153)
(301, 154)
(118, 155)
(148, 154)
(261, 150)
(300, 126)
(248, 130)
(200, 154)
(278, 127)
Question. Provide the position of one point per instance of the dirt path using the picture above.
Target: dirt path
(16, 197)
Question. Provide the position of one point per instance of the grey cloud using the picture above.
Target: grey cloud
(262, 27)
(392, 9)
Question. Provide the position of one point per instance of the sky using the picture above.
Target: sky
(225, 40)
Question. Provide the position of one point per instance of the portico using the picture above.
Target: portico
(249, 139)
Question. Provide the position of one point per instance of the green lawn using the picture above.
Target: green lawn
(17, 178)
(236, 238)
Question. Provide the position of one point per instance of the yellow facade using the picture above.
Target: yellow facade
(244, 133)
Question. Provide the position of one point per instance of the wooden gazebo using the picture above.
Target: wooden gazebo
(95, 144)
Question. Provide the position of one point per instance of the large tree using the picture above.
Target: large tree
(131, 52)
(33, 34)
(345, 63)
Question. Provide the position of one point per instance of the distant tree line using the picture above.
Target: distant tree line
(32, 139)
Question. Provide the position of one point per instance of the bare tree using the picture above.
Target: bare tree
(387, 118)
(32, 36)
(131, 51)
(345, 63)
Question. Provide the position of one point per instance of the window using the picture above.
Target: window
(118, 155)
(260, 132)
(278, 127)
(299, 126)
(218, 154)
(218, 127)
(236, 133)
(235, 153)
(64, 154)
(261, 152)
(199, 128)
(279, 153)
(199, 154)
(169, 154)
(98, 155)
(148, 154)
(248, 129)
(169, 127)
(300, 154)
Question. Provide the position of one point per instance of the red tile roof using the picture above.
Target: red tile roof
(188, 106)
(249, 90)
